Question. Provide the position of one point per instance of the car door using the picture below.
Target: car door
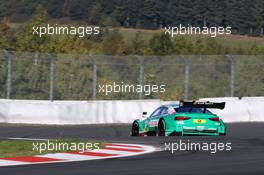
(152, 121)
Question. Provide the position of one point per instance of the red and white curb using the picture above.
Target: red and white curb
(111, 150)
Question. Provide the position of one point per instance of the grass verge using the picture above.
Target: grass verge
(21, 148)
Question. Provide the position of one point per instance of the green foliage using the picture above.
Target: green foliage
(138, 44)
(161, 44)
(26, 41)
(3, 76)
(73, 77)
(113, 44)
(73, 80)
(182, 46)
(3, 42)
(244, 16)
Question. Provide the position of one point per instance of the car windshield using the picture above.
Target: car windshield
(192, 110)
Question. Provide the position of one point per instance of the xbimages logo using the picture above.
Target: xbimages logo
(212, 31)
(80, 31)
(56, 145)
(212, 147)
(131, 88)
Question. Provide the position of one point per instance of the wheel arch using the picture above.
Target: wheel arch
(141, 124)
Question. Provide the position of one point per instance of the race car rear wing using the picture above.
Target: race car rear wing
(200, 104)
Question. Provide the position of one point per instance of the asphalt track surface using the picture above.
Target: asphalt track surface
(246, 157)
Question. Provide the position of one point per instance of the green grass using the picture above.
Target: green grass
(20, 148)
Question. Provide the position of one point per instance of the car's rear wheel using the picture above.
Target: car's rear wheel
(222, 134)
(178, 133)
(161, 128)
(135, 129)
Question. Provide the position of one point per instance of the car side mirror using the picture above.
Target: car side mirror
(144, 114)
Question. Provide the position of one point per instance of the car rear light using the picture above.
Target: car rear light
(216, 119)
(182, 118)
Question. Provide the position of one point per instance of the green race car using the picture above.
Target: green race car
(183, 118)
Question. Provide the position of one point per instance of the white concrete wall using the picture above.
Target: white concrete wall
(74, 112)
(91, 112)
(247, 109)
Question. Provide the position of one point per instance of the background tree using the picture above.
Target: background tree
(113, 44)
(138, 44)
(161, 44)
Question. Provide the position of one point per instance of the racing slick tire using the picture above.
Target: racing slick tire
(161, 128)
(135, 129)
(222, 134)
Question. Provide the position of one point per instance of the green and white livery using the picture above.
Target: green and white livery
(183, 118)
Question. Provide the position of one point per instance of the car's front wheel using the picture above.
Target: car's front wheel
(161, 128)
(135, 129)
